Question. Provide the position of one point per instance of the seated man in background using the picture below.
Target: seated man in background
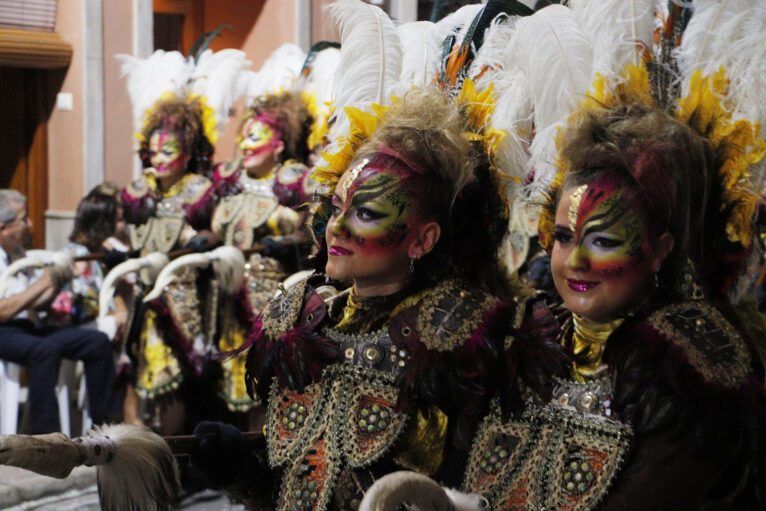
(41, 349)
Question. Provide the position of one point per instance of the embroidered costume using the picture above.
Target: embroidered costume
(181, 103)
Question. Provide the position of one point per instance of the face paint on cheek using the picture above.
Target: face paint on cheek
(258, 137)
(379, 196)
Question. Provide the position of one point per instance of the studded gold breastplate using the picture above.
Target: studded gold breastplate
(345, 421)
(561, 455)
(162, 232)
(238, 216)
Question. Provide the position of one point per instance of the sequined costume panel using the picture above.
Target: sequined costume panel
(173, 337)
(350, 423)
(241, 219)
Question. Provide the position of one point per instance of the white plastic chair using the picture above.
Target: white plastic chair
(12, 394)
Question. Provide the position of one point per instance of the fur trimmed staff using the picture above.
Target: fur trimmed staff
(135, 467)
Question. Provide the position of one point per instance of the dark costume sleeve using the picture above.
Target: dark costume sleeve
(687, 382)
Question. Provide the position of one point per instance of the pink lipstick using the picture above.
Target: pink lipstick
(581, 285)
(339, 251)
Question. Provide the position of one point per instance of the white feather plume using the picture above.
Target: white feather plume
(148, 79)
(488, 63)
(370, 57)
(618, 30)
(555, 56)
(513, 113)
(215, 77)
(421, 54)
(278, 72)
(542, 162)
(729, 34)
(322, 77)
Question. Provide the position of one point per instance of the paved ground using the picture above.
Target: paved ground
(21, 490)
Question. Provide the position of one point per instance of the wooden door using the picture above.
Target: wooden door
(24, 111)
(177, 24)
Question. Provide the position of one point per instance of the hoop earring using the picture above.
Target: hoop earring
(655, 281)
(412, 265)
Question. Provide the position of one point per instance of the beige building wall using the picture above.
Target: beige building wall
(65, 147)
(119, 144)
(260, 27)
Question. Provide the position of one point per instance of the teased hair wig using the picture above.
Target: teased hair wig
(184, 118)
(671, 173)
(291, 118)
(427, 131)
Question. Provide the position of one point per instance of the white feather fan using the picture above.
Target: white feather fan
(555, 56)
(215, 77)
(150, 78)
(617, 30)
(370, 57)
(421, 54)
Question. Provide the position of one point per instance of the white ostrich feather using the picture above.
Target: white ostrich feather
(278, 72)
(148, 79)
(555, 56)
(143, 473)
(370, 57)
(322, 77)
(542, 162)
(617, 30)
(513, 113)
(730, 34)
(215, 77)
(489, 58)
(421, 54)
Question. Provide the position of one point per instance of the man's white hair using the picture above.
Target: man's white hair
(7, 199)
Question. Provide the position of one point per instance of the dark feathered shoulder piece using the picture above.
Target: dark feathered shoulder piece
(286, 342)
(199, 201)
(533, 353)
(453, 336)
(139, 200)
(226, 178)
(683, 367)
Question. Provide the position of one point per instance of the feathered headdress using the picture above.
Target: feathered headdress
(209, 80)
(712, 102)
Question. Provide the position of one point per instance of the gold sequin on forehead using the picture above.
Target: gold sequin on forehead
(354, 173)
(574, 205)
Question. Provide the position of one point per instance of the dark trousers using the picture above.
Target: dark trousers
(41, 351)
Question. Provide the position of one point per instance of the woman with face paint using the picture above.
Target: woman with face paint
(170, 207)
(394, 372)
(259, 191)
(663, 405)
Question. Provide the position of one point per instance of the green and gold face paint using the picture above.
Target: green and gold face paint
(374, 212)
(600, 247)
